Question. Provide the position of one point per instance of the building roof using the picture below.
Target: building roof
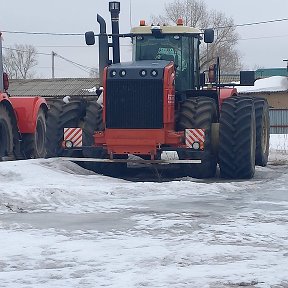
(269, 72)
(53, 87)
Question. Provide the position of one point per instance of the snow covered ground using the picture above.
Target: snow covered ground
(64, 226)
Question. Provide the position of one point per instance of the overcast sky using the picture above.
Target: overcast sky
(263, 45)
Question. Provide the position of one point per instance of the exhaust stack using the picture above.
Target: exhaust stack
(114, 8)
(103, 47)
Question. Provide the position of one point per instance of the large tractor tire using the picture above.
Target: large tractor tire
(200, 113)
(93, 122)
(237, 139)
(262, 131)
(6, 134)
(33, 145)
(62, 116)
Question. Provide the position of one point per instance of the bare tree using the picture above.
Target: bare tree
(19, 61)
(196, 14)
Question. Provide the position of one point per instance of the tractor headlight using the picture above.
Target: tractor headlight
(196, 145)
(143, 73)
(154, 73)
(113, 73)
(68, 144)
(123, 73)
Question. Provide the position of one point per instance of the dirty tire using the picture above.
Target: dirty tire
(61, 116)
(93, 122)
(262, 131)
(237, 139)
(33, 145)
(199, 112)
(6, 134)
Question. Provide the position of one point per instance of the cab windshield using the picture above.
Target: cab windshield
(176, 48)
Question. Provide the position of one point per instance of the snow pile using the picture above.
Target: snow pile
(270, 84)
(279, 142)
(91, 90)
(63, 226)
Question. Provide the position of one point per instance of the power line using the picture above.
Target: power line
(72, 46)
(264, 37)
(25, 51)
(82, 34)
(80, 66)
(262, 22)
(252, 23)
(43, 33)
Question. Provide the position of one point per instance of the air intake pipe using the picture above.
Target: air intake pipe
(114, 8)
(103, 47)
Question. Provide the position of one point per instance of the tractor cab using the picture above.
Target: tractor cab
(179, 44)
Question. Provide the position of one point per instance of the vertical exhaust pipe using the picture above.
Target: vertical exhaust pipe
(103, 47)
(114, 8)
(1, 66)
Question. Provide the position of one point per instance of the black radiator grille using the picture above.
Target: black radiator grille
(134, 104)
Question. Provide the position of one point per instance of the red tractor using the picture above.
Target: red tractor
(22, 123)
(160, 102)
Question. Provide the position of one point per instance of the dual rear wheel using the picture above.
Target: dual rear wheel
(85, 115)
(199, 112)
(243, 136)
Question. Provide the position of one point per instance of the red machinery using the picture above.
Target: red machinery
(160, 102)
(22, 123)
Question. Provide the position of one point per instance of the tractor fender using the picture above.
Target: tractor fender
(226, 93)
(26, 110)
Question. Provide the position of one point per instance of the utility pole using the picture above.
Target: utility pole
(286, 60)
(53, 64)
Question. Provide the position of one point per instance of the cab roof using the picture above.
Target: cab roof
(166, 30)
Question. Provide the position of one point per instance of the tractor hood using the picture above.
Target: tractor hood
(145, 69)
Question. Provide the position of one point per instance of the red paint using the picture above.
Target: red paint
(169, 98)
(26, 110)
(137, 141)
(3, 96)
(226, 93)
(144, 141)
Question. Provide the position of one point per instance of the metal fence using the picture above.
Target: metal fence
(278, 121)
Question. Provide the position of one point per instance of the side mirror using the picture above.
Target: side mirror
(209, 35)
(247, 78)
(90, 38)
